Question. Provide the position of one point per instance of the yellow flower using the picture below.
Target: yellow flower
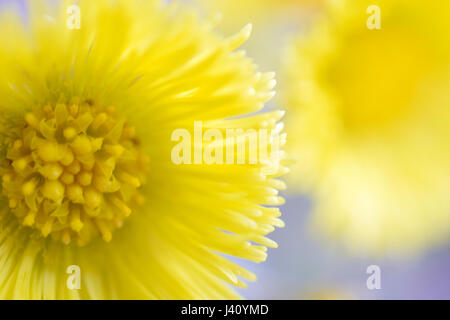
(370, 122)
(92, 205)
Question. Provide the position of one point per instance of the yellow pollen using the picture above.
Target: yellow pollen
(75, 221)
(88, 164)
(81, 145)
(66, 184)
(67, 158)
(84, 178)
(28, 187)
(74, 168)
(75, 193)
(67, 178)
(93, 198)
(21, 164)
(52, 171)
(53, 190)
(50, 151)
(70, 133)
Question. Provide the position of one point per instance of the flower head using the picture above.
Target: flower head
(88, 108)
(369, 122)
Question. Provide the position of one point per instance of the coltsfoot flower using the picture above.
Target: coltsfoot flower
(88, 107)
(370, 122)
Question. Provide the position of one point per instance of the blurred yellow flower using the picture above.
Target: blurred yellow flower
(370, 122)
(89, 97)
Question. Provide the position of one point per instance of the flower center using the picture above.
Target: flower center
(376, 78)
(73, 171)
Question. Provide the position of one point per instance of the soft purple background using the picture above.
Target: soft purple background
(20, 4)
(305, 263)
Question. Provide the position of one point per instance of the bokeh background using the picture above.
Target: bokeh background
(307, 264)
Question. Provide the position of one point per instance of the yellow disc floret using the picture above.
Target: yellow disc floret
(73, 171)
